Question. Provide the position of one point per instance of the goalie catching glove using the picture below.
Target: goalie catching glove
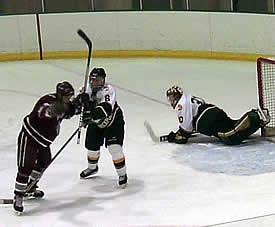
(180, 137)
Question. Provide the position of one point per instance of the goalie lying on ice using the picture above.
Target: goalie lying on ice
(195, 115)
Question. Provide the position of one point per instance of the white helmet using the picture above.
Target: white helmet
(173, 95)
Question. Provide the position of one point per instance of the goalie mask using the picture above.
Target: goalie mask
(97, 79)
(173, 95)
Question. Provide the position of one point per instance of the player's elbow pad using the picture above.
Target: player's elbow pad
(102, 111)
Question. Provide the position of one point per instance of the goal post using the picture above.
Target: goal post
(266, 91)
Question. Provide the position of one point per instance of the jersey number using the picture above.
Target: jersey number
(107, 98)
(181, 119)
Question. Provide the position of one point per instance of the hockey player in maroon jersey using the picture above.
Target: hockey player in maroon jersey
(105, 123)
(195, 115)
(39, 130)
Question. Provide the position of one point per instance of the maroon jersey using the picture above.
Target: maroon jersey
(41, 125)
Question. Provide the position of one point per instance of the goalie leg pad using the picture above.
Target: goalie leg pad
(245, 127)
(234, 139)
(236, 135)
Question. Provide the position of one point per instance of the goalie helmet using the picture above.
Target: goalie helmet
(65, 89)
(173, 95)
(97, 79)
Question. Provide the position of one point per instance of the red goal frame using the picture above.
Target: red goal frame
(267, 130)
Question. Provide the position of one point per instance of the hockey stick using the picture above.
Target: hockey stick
(89, 43)
(10, 201)
(6, 201)
(152, 134)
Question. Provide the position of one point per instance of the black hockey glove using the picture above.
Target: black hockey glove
(177, 137)
(86, 118)
(171, 137)
(78, 101)
(83, 98)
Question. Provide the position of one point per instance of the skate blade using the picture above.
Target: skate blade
(88, 177)
(123, 186)
(17, 213)
(26, 198)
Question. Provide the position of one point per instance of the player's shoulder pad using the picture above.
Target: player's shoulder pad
(49, 98)
(108, 88)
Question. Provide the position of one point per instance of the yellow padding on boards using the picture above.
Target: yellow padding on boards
(132, 54)
(19, 56)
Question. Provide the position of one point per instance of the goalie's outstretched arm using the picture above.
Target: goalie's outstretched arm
(180, 137)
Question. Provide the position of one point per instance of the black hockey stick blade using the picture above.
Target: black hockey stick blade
(6, 201)
(85, 37)
(153, 135)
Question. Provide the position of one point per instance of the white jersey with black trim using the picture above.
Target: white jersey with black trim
(105, 94)
(187, 109)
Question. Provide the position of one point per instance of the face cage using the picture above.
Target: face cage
(65, 98)
(172, 100)
(97, 82)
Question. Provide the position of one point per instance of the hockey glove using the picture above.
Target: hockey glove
(86, 118)
(171, 137)
(79, 100)
(177, 137)
(83, 98)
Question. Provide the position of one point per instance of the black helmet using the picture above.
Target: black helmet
(97, 78)
(64, 89)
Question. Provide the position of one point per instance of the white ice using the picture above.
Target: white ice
(203, 183)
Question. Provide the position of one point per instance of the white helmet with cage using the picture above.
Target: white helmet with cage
(173, 95)
(97, 79)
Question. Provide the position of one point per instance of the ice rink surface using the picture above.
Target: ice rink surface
(202, 183)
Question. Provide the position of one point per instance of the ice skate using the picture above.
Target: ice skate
(122, 181)
(18, 204)
(264, 116)
(87, 173)
(34, 193)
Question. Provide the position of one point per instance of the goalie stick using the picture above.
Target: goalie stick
(89, 43)
(10, 201)
(152, 134)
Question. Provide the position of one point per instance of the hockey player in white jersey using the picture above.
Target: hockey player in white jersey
(197, 116)
(105, 122)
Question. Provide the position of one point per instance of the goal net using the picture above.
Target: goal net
(266, 91)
